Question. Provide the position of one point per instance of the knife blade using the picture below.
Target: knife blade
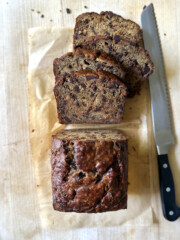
(161, 116)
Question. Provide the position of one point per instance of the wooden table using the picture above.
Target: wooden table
(19, 217)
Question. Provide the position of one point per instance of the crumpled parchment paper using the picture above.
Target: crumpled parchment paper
(45, 44)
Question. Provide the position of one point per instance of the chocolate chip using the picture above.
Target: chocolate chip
(92, 28)
(83, 85)
(114, 85)
(118, 99)
(132, 43)
(94, 88)
(86, 62)
(68, 10)
(80, 176)
(104, 99)
(103, 79)
(73, 96)
(90, 108)
(68, 160)
(120, 106)
(135, 62)
(76, 89)
(77, 104)
(89, 77)
(92, 95)
(110, 48)
(67, 119)
(117, 38)
(62, 111)
(99, 66)
(146, 69)
(110, 14)
(110, 25)
(70, 66)
(86, 21)
(120, 56)
(97, 109)
(106, 43)
(74, 115)
(72, 79)
(118, 144)
(126, 53)
(85, 6)
(107, 33)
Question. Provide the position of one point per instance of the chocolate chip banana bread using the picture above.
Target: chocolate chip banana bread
(90, 97)
(107, 24)
(86, 60)
(89, 171)
(134, 59)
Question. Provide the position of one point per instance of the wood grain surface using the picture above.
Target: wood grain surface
(19, 216)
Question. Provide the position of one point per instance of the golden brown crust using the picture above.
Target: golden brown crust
(136, 37)
(82, 182)
(140, 49)
(98, 60)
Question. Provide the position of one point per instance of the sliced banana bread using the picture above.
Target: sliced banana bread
(134, 59)
(90, 97)
(107, 24)
(89, 170)
(87, 60)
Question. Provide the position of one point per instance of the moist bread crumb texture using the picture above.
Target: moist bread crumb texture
(84, 59)
(89, 171)
(90, 97)
(105, 24)
(134, 59)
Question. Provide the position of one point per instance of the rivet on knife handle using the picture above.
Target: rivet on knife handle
(170, 210)
(161, 116)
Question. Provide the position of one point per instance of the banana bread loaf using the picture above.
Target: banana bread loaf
(90, 97)
(107, 24)
(89, 171)
(86, 60)
(134, 59)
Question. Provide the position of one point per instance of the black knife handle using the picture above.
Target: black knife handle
(170, 209)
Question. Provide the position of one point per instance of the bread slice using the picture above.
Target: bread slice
(107, 24)
(89, 170)
(90, 97)
(134, 59)
(83, 59)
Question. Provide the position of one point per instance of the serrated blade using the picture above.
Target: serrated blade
(161, 116)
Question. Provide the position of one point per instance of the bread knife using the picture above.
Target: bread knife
(161, 117)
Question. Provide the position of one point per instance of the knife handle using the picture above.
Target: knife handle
(170, 209)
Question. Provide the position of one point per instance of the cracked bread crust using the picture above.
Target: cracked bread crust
(84, 59)
(107, 24)
(90, 97)
(89, 175)
(134, 59)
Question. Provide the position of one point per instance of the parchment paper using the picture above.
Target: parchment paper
(45, 45)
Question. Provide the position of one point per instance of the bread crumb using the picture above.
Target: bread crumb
(164, 34)
(42, 16)
(51, 20)
(85, 7)
(32, 10)
(68, 10)
(38, 11)
(33, 130)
